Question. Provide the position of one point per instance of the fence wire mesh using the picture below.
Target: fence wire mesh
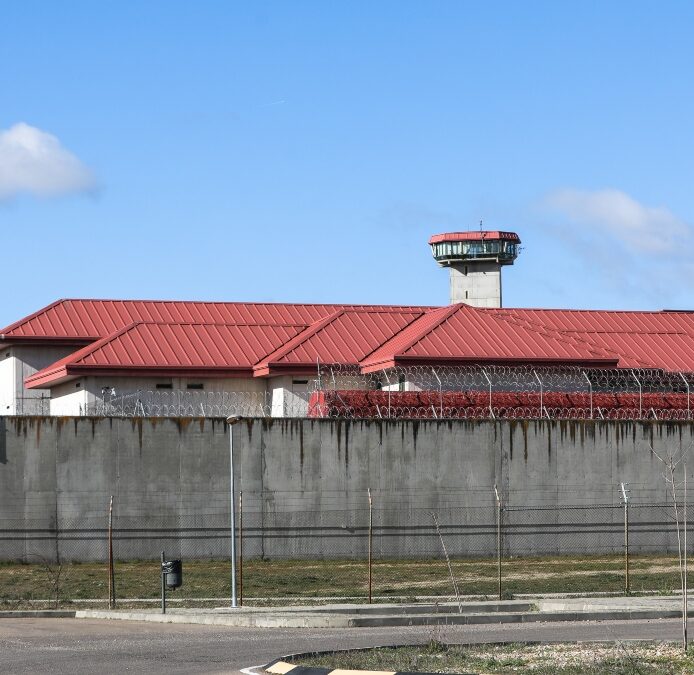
(302, 550)
(502, 392)
(420, 392)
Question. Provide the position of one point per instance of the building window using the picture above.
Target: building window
(165, 385)
(195, 385)
(300, 382)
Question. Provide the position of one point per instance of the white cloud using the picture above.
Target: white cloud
(34, 162)
(640, 228)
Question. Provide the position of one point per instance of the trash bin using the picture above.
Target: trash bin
(173, 573)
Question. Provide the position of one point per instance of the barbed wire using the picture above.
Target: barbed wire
(502, 392)
(32, 405)
(186, 403)
(424, 392)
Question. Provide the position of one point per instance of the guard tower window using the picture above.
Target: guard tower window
(195, 385)
(165, 385)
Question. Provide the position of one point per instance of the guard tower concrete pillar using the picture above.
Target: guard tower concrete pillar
(475, 259)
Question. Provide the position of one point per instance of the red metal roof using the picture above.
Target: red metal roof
(475, 235)
(461, 333)
(80, 321)
(641, 339)
(604, 320)
(138, 337)
(213, 350)
(345, 337)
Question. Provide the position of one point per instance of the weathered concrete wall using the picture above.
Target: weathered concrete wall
(17, 362)
(305, 483)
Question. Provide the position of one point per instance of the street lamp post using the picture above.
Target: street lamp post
(231, 421)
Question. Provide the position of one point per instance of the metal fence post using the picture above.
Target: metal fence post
(685, 597)
(163, 583)
(498, 540)
(240, 548)
(590, 392)
(625, 498)
(111, 574)
(385, 375)
(370, 542)
(438, 379)
(686, 384)
(489, 382)
(640, 394)
(537, 377)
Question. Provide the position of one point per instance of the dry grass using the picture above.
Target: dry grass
(296, 579)
(559, 659)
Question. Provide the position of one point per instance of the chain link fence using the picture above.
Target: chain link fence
(32, 405)
(301, 550)
(192, 403)
(502, 392)
(421, 392)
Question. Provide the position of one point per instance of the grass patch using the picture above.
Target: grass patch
(559, 659)
(294, 580)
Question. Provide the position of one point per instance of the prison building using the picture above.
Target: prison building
(471, 358)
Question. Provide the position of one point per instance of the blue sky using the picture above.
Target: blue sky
(305, 151)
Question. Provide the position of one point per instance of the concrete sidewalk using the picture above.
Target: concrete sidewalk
(380, 615)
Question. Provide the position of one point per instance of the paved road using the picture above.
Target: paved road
(78, 646)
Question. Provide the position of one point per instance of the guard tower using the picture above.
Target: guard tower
(475, 260)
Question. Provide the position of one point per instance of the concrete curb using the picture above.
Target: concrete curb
(280, 667)
(38, 614)
(264, 620)
(307, 620)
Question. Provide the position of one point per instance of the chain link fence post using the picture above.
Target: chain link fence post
(370, 542)
(625, 499)
(498, 541)
(240, 548)
(111, 571)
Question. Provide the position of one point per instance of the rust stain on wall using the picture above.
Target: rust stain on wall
(549, 440)
(136, 423)
(524, 427)
(183, 423)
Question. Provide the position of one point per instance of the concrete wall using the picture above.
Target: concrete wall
(283, 395)
(305, 484)
(476, 283)
(8, 397)
(71, 398)
(18, 362)
(78, 396)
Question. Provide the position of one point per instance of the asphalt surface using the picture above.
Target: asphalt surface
(77, 646)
